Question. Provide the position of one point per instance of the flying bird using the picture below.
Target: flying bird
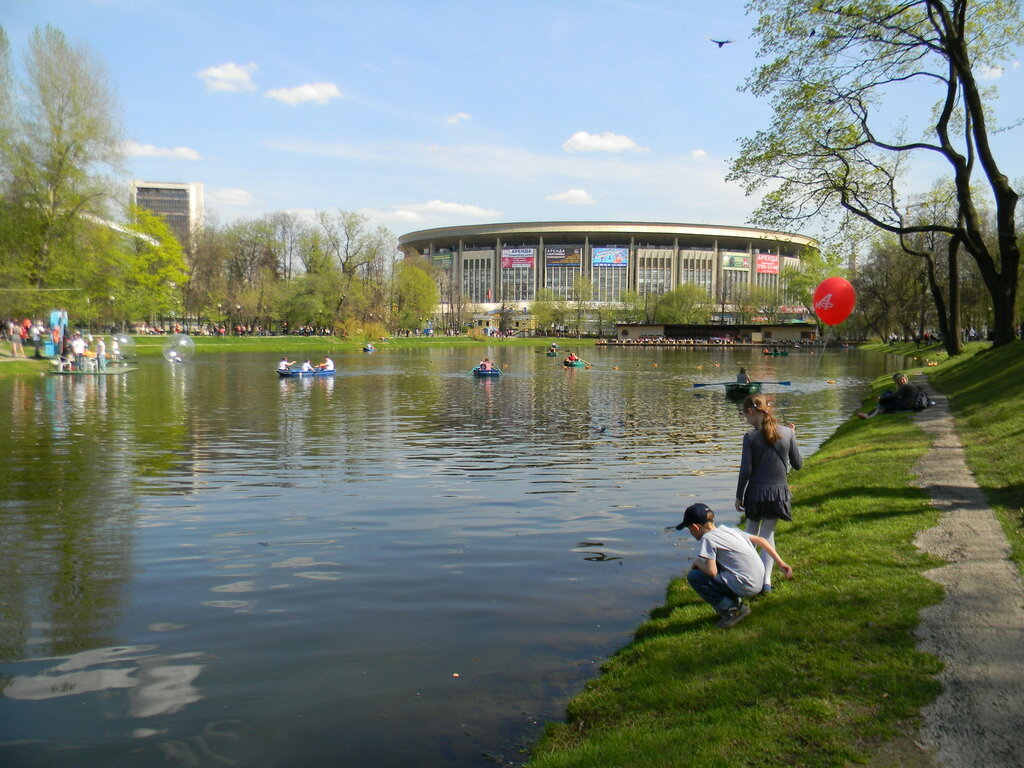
(719, 43)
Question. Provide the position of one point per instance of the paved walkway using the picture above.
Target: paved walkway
(978, 629)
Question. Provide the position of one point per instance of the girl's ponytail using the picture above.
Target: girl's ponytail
(769, 424)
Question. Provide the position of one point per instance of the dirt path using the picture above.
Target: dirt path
(978, 629)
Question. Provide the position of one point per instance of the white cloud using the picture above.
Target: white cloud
(134, 149)
(318, 93)
(572, 197)
(230, 198)
(417, 213)
(581, 141)
(697, 154)
(986, 72)
(230, 77)
(458, 117)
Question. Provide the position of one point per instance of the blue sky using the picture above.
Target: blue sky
(424, 114)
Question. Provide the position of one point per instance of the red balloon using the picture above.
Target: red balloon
(833, 300)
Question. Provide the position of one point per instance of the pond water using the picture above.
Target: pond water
(202, 564)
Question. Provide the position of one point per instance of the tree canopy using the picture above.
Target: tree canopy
(837, 75)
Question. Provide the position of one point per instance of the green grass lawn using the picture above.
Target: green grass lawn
(153, 345)
(825, 671)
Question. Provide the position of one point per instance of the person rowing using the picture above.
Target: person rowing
(326, 365)
(307, 367)
(486, 365)
(285, 364)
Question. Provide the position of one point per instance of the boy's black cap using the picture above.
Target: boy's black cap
(695, 513)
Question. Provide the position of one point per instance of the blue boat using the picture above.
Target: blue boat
(478, 371)
(297, 372)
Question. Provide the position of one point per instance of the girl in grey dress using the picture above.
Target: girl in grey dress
(762, 493)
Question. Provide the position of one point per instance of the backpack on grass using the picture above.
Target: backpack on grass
(922, 401)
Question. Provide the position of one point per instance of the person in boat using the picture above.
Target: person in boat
(571, 357)
(101, 353)
(741, 377)
(307, 367)
(370, 347)
(762, 491)
(903, 399)
(554, 347)
(326, 365)
(486, 365)
(285, 364)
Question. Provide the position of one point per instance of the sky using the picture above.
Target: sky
(431, 113)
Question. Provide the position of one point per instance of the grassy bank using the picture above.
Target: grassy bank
(826, 667)
(153, 345)
(825, 672)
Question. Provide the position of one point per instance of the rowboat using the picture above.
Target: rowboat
(782, 353)
(551, 354)
(739, 391)
(478, 371)
(297, 372)
(369, 349)
(573, 363)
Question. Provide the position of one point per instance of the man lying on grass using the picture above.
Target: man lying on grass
(727, 567)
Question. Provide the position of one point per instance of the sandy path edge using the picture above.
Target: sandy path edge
(978, 629)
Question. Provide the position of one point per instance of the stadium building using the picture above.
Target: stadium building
(502, 264)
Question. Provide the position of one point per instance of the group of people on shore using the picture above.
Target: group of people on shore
(733, 565)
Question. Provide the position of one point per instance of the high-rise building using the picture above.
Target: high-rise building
(180, 205)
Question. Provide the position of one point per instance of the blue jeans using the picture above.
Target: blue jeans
(719, 596)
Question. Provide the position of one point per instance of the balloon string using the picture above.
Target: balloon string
(824, 347)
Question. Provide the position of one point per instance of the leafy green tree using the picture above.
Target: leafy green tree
(151, 269)
(60, 137)
(415, 296)
(683, 305)
(548, 310)
(579, 297)
(838, 72)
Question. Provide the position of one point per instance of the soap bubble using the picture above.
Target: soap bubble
(179, 348)
(121, 347)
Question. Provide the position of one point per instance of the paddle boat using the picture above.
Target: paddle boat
(297, 372)
(737, 391)
(493, 371)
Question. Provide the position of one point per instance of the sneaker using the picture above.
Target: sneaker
(733, 616)
(766, 589)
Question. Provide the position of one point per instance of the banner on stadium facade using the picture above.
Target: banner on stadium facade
(563, 255)
(736, 261)
(767, 263)
(518, 258)
(610, 257)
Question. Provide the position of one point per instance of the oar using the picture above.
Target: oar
(714, 383)
(780, 383)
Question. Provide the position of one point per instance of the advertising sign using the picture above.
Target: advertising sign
(610, 257)
(518, 258)
(736, 261)
(563, 255)
(767, 263)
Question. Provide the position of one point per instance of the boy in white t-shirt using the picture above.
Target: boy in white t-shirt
(727, 567)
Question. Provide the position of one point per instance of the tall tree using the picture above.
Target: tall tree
(838, 72)
(415, 295)
(66, 134)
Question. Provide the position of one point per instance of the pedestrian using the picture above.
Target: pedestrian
(762, 491)
(727, 567)
(101, 354)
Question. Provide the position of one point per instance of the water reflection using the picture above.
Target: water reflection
(157, 684)
(342, 546)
